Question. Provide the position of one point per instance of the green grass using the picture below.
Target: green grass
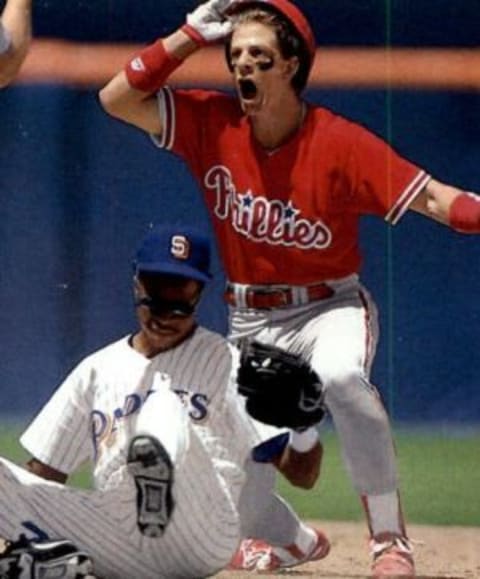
(439, 472)
(439, 477)
(10, 448)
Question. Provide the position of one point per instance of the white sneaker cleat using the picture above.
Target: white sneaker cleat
(150, 465)
(45, 558)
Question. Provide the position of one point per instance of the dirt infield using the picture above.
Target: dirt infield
(440, 553)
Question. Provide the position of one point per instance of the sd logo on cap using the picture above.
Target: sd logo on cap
(175, 250)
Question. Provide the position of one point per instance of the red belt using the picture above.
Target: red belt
(275, 297)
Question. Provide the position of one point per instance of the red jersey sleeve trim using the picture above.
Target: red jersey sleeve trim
(166, 112)
(413, 189)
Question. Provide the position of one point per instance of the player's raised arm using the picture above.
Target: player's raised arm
(449, 205)
(131, 94)
(15, 37)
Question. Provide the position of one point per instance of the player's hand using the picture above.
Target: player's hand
(208, 23)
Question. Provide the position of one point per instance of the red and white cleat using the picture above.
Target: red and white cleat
(257, 555)
(254, 555)
(392, 557)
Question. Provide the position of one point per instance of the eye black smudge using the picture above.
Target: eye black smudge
(266, 64)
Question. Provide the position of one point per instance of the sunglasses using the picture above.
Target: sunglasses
(167, 308)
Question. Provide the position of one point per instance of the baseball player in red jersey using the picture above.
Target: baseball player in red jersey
(286, 183)
(15, 37)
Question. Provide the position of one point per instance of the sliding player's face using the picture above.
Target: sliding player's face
(165, 310)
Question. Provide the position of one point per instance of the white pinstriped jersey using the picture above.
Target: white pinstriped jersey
(92, 416)
(89, 416)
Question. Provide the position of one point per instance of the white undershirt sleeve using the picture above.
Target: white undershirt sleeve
(5, 40)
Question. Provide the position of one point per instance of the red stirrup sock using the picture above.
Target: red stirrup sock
(464, 215)
(149, 70)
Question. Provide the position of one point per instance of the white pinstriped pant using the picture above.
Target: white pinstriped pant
(200, 539)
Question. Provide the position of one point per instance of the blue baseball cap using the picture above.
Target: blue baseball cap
(175, 250)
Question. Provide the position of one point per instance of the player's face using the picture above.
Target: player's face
(165, 311)
(260, 72)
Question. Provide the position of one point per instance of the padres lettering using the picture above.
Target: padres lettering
(260, 219)
(105, 427)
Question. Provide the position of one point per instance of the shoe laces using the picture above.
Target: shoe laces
(401, 544)
(255, 556)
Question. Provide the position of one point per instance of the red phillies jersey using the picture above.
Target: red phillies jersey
(288, 216)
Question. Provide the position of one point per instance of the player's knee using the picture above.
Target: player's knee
(342, 382)
(350, 389)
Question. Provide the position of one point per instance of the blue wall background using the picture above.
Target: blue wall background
(348, 22)
(78, 191)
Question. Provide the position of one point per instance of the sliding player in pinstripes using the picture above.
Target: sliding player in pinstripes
(163, 505)
(168, 475)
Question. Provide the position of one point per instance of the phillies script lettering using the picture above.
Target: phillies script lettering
(261, 219)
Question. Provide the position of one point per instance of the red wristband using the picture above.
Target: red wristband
(149, 70)
(464, 215)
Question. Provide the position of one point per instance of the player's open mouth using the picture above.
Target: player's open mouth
(248, 89)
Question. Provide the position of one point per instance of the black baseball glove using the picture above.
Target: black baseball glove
(281, 388)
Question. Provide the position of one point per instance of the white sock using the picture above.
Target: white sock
(305, 440)
(304, 542)
(306, 538)
(164, 417)
(383, 512)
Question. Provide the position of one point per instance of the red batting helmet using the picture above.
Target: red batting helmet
(290, 12)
